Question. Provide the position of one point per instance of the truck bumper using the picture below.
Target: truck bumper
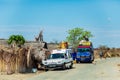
(53, 66)
(83, 59)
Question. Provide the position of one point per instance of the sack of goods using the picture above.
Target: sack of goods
(64, 45)
(84, 43)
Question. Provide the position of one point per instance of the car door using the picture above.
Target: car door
(69, 58)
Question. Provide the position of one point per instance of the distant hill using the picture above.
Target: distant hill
(2, 39)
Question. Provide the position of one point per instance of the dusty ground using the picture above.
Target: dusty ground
(108, 69)
(19, 76)
(100, 70)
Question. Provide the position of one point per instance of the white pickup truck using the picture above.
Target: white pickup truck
(60, 58)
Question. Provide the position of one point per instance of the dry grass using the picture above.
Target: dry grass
(107, 53)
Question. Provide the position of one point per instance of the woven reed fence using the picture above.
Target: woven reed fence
(15, 61)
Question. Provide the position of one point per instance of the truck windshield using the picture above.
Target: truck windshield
(83, 49)
(56, 56)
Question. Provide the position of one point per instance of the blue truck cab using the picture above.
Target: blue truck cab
(85, 54)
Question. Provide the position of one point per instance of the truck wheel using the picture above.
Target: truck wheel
(93, 58)
(90, 61)
(71, 66)
(64, 67)
(46, 70)
(81, 61)
(77, 61)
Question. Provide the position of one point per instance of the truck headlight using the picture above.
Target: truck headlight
(45, 63)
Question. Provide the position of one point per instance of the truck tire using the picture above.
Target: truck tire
(71, 66)
(92, 58)
(64, 67)
(46, 70)
(90, 61)
(81, 61)
(77, 61)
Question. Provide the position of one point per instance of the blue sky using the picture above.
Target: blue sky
(56, 17)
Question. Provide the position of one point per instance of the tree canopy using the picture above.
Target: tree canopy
(16, 39)
(77, 34)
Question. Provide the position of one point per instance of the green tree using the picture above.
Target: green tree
(77, 34)
(16, 40)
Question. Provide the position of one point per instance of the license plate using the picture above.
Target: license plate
(51, 65)
(78, 56)
(87, 57)
(83, 57)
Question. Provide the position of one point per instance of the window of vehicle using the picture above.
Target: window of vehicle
(56, 56)
(83, 49)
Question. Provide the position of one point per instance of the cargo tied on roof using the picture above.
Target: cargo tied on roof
(85, 51)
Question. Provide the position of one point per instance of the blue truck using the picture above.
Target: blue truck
(85, 53)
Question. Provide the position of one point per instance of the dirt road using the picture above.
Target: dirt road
(99, 70)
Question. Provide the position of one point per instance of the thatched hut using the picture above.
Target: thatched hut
(21, 59)
(12, 61)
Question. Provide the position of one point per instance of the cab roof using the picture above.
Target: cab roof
(60, 51)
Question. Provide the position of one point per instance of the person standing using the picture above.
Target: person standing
(74, 54)
(101, 54)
